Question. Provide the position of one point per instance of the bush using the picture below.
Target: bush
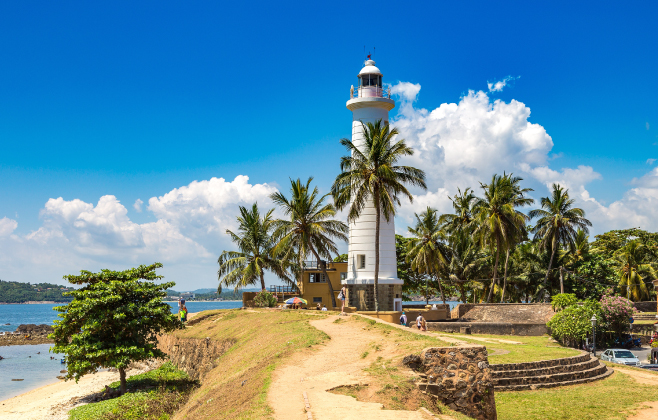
(563, 300)
(573, 324)
(616, 313)
(265, 299)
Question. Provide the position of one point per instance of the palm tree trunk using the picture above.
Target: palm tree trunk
(326, 276)
(443, 295)
(502, 299)
(495, 273)
(550, 264)
(122, 381)
(262, 281)
(462, 291)
(377, 221)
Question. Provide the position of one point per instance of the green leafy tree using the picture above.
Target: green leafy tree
(264, 299)
(256, 252)
(594, 275)
(113, 320)
(558, 224)
(572, 325)
(610, 242)
(562, 300)
(468, 261)
(414, 283)
(462, 203)
(370, 176)
(310, 228)
(341, 258)
(635, 268)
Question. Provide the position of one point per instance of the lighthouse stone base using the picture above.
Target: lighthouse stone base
(362, 296)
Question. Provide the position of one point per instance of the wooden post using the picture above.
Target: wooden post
(561, 280)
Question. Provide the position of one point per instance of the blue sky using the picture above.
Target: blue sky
(136, 100)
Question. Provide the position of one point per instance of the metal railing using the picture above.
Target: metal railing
(370, 92)
(283, 289)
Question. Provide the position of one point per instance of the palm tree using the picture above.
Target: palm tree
(467, 261)
(634, 268)
(310, 227)
(558, 223)
(462, 203)
(370, 176)
(425, 249)
(519, 199)
(255, 243)
(496, 220)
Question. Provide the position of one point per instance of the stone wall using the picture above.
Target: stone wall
(497, 328)
(362, 296)
(459, 377)
(533, 313)
(194, 356)
(649, 306)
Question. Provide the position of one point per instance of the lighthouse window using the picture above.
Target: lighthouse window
(371, 80)
(361, 261)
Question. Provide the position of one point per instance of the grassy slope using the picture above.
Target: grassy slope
(153, 395)
(533, 349)
(237, 387)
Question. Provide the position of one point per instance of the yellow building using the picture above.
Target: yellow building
(314, 287)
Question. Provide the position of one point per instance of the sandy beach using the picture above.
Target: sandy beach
(54, 401)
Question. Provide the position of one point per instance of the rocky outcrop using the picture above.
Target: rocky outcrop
(459, 377)
(32, 329)
(194, 356)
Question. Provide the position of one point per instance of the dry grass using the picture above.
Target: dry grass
(237, 387)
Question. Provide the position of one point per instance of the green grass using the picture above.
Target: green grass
(612, 398)
(406, 339)
(152, 395)
(533, 348)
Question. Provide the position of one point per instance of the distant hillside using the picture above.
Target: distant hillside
(15, 292)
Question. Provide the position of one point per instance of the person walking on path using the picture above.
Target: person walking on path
(342, 295)
(403, 319)
(423, 324)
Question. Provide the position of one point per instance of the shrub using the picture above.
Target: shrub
(563, 300)
(616, 313)
(265, 299)
(573, 324)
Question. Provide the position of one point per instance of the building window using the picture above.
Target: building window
(317, 300)
(361, 261)
(343, 276)
(316, 278)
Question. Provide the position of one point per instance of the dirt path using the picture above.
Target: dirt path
(650, 412)
(337, 363)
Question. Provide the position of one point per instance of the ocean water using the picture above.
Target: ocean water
(43, 313)
(23, 362)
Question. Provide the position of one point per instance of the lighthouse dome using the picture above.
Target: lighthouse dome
(370, 68)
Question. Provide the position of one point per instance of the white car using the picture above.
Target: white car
(621, 356)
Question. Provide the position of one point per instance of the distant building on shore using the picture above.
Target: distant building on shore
(187, 295)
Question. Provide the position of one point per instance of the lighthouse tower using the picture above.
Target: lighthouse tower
(370, 103)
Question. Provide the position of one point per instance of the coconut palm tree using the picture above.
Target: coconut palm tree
(425, 249)
(370, 176)
(462, 203)
(467, 261)
(519, 199)
(558, 223)
(310, 227)
(635, 267)
(496, 220)
(255, 244)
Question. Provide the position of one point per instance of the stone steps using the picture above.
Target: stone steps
(548, 373)
(607, 373)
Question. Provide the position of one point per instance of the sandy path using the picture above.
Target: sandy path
(337, 363)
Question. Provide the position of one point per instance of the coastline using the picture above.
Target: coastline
(36, 302)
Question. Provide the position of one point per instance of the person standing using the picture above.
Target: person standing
(183, 313)
(423, 325)
(403, 319)
(342, 295)
(419, 320)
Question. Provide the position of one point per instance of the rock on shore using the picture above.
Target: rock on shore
(27, 334)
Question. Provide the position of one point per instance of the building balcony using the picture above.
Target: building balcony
(370, 92)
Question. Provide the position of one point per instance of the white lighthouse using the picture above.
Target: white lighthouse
(370, 103)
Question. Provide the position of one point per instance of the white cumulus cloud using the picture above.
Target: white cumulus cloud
(137, 205)
(7, 226)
